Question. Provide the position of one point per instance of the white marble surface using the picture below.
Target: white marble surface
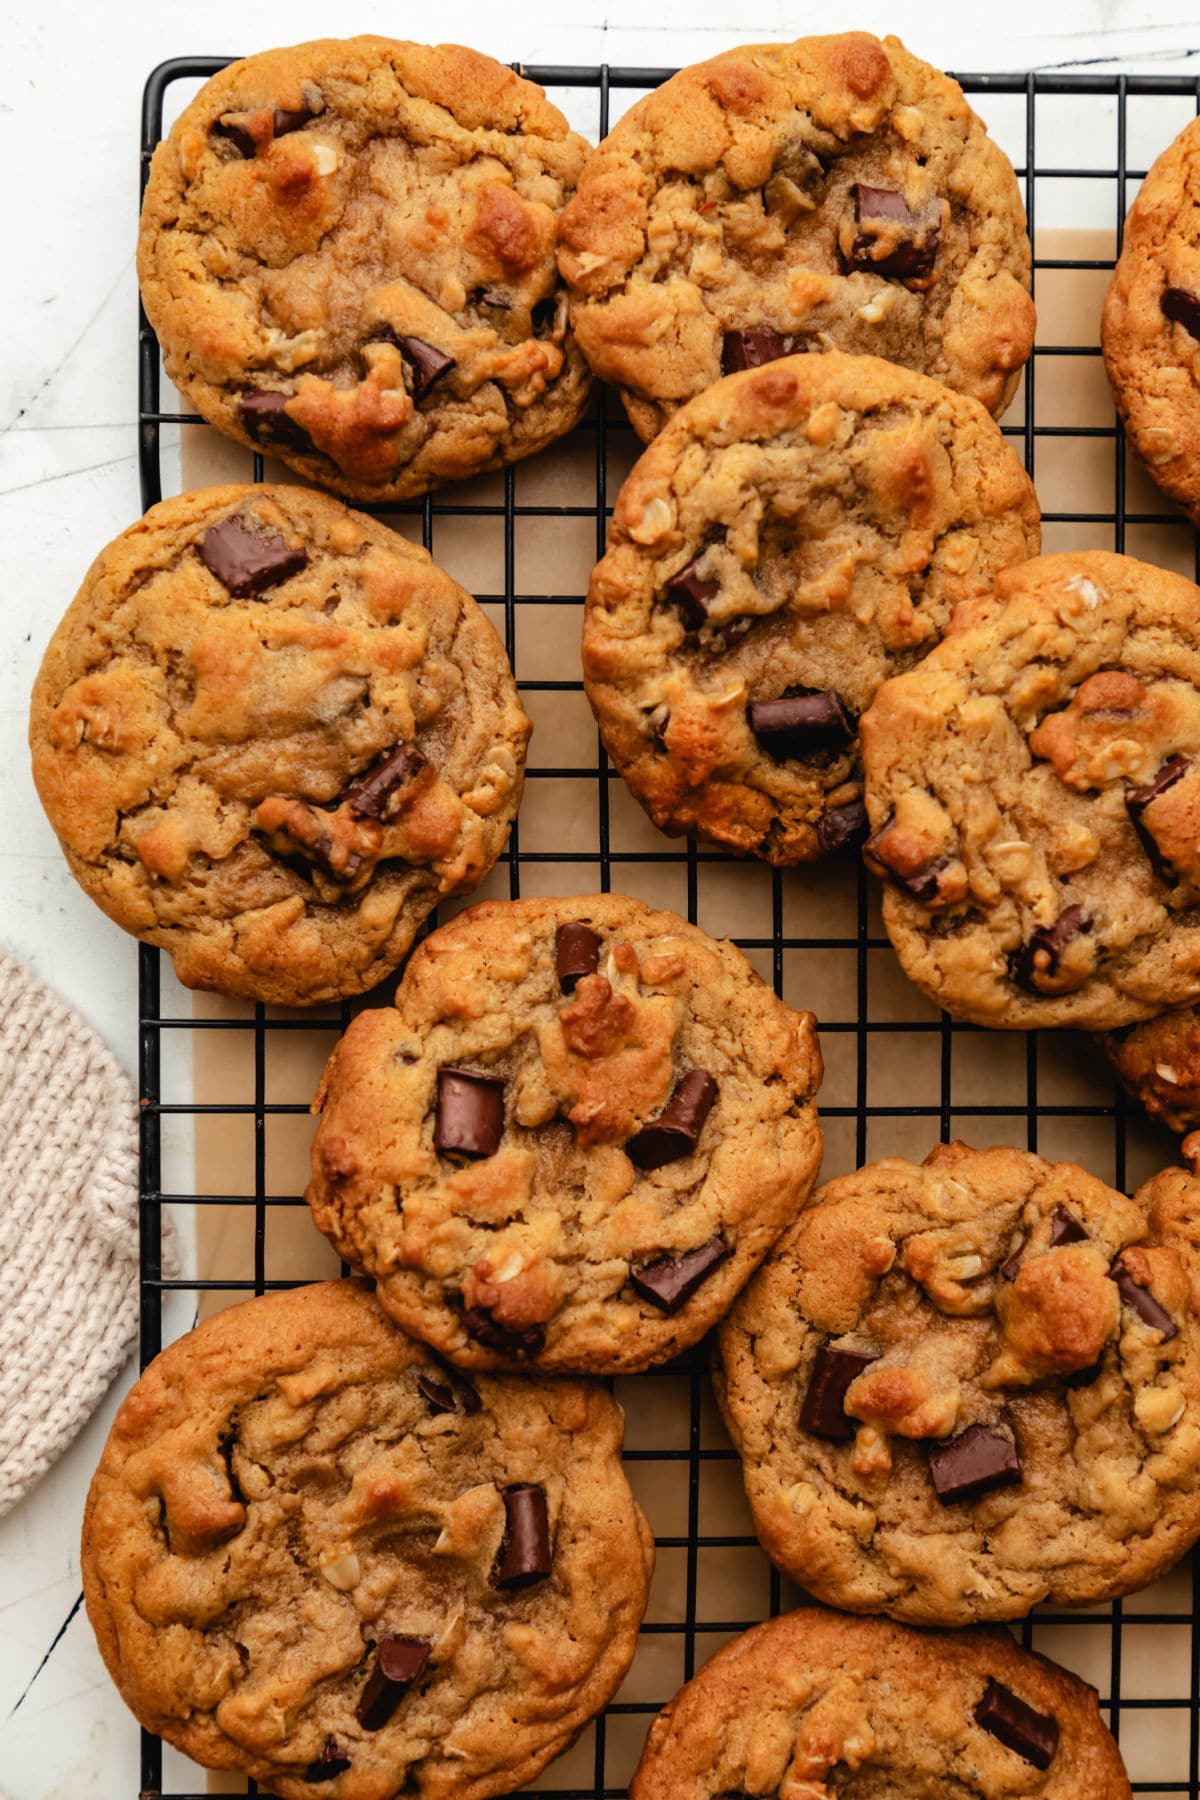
(70, 81)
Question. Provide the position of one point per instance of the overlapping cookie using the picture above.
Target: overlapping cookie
(348, 253)
(573, 1137)
(271, 735)
(1158, 1062)
(835, 192)
(313, 1554)
(964, 1387)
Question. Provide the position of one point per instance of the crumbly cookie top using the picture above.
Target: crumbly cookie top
(570, 1141)
(271, 734)
(965, 1387)
(814, 1705)
(835, 192)
(795, 535)
(313, 1554)
(1033, 788)
(347, 250)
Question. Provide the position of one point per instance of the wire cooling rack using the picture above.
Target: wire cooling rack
(899, 1076)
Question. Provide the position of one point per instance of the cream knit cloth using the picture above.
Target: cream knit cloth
(68, 1225)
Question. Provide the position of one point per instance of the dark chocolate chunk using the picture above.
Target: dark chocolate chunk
(842, 828)
(286, 120)
(878, 212)
(576, 953)
(751, 347)
(266, 419)
(1038, 960)
(1138, 799)
(507, 1340)
(1142, 1301)
(332, 1761)
(247, 557)
(801, 721)
(398, 1662)
(1031, 1734)
(823, 1413)
(525, 1548)
(470, 1113)
(1183, 307)
(1008, 1270)
(427, 363)
(970, 1464)
(675, 1131)
(1065, 1227)
(454, 1395)
(368, 796)
(236, 133)
(691, 592)
(670, 1281)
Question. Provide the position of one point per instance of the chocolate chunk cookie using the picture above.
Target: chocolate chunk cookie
(1151, 322)
(1034, 792)
(271, 735)
(835, 192)
(347, 252)
(813, 1705)
(796, 534)
(568, 1144)
(964, 1387)
(1158, 1062)
(312, 1554)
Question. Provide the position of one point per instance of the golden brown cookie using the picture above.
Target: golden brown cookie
(814, 1705)
(964, 1387)
(347, 251)
(794, 536)
(831, 193)
(1158, 1062)
(271, 735)
(314, 1555)
(1034, 791)
(578, 1130)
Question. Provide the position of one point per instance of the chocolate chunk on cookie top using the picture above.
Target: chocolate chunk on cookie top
(295, 1569)
(943, 1368)
(271, 735)
(794, 536)
(347, 250)
(834, 193)
(815, 1704)
(1034, 792)
(570, 1141)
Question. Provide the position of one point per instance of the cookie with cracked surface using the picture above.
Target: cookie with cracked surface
(312, 1554)
(347, 250)
(271, 735)
(835, 192)
(812, 1705)
(1150, 329)
(963, 1387)
(567, 1145)
(1158, 1062)
(794, 536)
(1033, 790)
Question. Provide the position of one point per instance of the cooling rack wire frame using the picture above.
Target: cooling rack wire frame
(956, 1081)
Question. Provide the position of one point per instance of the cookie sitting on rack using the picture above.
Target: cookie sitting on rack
(962, 1388)
(573, 1137)
(271, 735)
(347, 251)
(1158, 1062)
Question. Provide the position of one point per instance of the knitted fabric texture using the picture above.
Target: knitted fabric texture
(68, 1225)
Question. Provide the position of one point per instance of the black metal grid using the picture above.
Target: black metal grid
(688, 1447)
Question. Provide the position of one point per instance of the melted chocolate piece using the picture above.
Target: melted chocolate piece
(454, 1395)
(877, 211)
(972, 1463)
(1142, 1301)
(427, 364)
(332, 1761)
(691, 592)
(670, 1281)
(525, 1548)
(800, 722)
(1038, 959)
(398, 1663)
(506, 1340)
(237, 135)
(470, 1113)
(842, 828)
(1065, 1228)
(751, 347)
(1031, 1734)
(247, 557)
(1138, 799)
(1008, 1270)
(286, 121)
(266, 419)
(823, 1412)
(675, 1131)
(1183, 307)
(368, 796)
(576, 953)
